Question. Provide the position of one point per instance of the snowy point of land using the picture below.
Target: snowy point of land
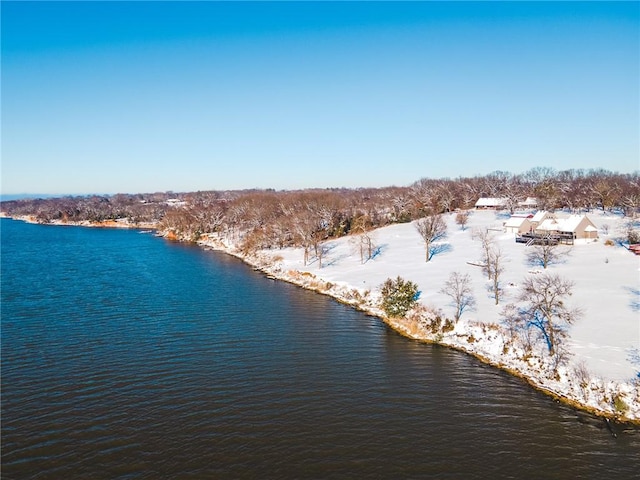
(599, 374)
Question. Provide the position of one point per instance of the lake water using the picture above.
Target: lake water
(126, 356)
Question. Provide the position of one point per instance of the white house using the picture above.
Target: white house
(490, 203)
(575, 227)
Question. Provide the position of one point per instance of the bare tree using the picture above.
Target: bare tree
(321, 250)
(545, 309)
(487, 241)
(469, 192)
(458, 288)
(605, 191)
(304, 226)
(495, 267)
(431, 228)
(462, 218)
(515, 327)
(423, 194)
(631, 204)
(361, 227)
(513, 191)
(548, 253)
(444, 196)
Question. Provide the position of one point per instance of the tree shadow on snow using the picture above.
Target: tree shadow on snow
(327, 248)
(377, 251)
(634, 358)
(635, 298)
(439, 248)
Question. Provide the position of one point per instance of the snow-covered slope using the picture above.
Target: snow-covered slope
(604, 341)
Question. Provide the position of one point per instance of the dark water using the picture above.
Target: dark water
(124, 356)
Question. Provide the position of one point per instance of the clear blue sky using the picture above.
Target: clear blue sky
(153, 96)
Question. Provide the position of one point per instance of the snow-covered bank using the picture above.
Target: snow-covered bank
(599, 375)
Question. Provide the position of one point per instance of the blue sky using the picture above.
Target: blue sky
(152, 96)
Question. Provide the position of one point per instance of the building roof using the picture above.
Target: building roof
(515, 222)
(569, 224)
(539, 216)
(530, 201)
(491, 202)
(549, 224)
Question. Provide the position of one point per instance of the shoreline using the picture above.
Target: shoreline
(401, 326)
(125, 225)
(349, 295)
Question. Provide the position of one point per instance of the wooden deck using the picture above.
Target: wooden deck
(547, 239)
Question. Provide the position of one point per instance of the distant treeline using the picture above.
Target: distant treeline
(269, 218)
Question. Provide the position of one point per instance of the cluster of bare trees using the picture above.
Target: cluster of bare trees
(574, 189)
(542, 312)
(268, 218)
(95, 208)
(361, 228)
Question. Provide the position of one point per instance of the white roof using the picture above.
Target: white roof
(491, 202)
(550, 224)
(514, 222)
(530, 201)
(539, 216)
(569, 224)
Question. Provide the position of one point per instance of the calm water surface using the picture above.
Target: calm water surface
(124, 356)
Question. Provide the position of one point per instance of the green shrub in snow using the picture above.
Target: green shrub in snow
(398, 296)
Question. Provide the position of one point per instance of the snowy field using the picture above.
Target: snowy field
(606, 278)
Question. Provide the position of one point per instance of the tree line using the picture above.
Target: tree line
(257, 219)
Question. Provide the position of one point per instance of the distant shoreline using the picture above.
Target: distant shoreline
(86, 223)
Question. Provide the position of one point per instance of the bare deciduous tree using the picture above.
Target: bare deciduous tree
(458, 288)
(321, 250)
(545, 309)
(487, 241)
(546, 254)
(431, 228)
(631, 204)
(361, 227)
(495, 267)
(304, 226)
(461, 219)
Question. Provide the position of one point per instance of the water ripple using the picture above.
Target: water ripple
(127, 357)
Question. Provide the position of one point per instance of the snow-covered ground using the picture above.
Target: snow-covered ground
(605, 278)
(605, 339)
